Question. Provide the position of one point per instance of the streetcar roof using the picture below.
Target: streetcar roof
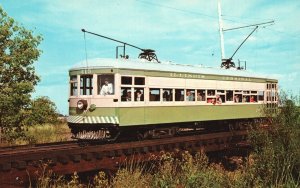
(141, 64)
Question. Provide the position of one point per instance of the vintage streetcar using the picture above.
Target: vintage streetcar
(144, 98)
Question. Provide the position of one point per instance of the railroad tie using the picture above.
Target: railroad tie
(75, 158)
(87, 156)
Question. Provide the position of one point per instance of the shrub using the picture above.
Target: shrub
(277, 150)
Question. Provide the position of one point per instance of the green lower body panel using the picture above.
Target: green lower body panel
(129, 116)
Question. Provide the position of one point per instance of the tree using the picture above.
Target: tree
(18, 51)
(42, 110)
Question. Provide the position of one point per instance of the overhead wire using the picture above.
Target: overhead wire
(214, 17)
(187, 11)
(176, 9)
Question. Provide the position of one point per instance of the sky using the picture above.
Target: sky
(181, 31)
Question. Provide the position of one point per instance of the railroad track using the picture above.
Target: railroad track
(9, 150)
(17, 164)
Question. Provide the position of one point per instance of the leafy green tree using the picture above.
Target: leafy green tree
(42, 110)
(18, 52)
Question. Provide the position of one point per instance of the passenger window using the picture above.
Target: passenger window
(201, 95)
(246, 98)
(179, 95)
(268, 96)
(73, 85)
(125, 94)
(260, 96)
(220, 98)
(126, 80)
(211, 100)
(86, 84)
(154, 94)
(253, 98)
(229, 95)
(138, 94)
(237, 98)
(273, 95)
(190, 95)
(139, 81)
(167, 94)
(211, 92)
(105, 84)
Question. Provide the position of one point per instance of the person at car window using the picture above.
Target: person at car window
(189, 96)
(139, 96)
(107, 88)
(218, 99)
(128, 98)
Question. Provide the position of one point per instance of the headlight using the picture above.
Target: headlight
(82, 104)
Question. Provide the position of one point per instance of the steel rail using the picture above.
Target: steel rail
(35, 147)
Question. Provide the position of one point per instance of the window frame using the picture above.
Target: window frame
(73, 86)
(133, 87)
(99, 85)
(171, 94)
(159, 94)
(84, 88)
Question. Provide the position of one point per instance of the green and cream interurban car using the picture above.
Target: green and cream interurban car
(109, 97)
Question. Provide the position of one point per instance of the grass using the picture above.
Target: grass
(185, 171)
(191, 171)
(45, 133)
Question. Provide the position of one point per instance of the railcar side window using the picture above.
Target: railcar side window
(106, 84)
(179, 95)
(86, 84)
(268, 95)
(167, 94)
(260, 96)
(253, 98)
(190, 95)
(126, 80)
(138, 94)
(229, 95)
(246, 98)
(211, 92)
(73, 85)
(237, 98)
(222, 97)
(139, 81)
(201, 95)
(273, 95)
(126, 94)
(211, 100)
(154, 94)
